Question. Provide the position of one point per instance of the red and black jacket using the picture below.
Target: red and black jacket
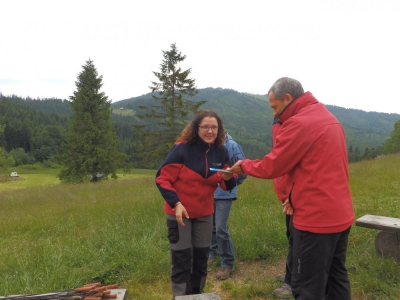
(185, 176)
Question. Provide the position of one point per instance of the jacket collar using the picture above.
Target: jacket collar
(203, 145)
(296, 105)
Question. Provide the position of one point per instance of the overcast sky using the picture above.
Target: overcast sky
(345, 52)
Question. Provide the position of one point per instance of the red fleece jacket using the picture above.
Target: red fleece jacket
(311, 149)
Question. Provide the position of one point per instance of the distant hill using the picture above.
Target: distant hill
(39, 125)
(248, 118)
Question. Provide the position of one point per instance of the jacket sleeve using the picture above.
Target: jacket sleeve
(167, 175)
(292, 144)
(282, 187)
(228, 184)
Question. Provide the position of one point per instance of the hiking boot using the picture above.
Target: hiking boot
(281, 277)
(285, 291)
(224, 273)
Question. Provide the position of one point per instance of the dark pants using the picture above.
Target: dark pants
(319, 271)
(189, 247)
(289, 258)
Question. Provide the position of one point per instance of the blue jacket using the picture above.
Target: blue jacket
(235, 154)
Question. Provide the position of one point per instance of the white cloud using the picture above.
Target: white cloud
(344, 52)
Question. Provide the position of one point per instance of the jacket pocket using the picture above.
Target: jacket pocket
(173, 231)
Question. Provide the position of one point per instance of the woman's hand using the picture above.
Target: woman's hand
(180, 210)
(227, 176)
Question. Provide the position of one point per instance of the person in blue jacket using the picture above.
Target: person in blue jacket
(221, 242)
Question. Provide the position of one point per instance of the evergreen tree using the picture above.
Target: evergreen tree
(392, 144)
(367, 154)
(2, 141)
(90, 151)
(350, 154)
(165, 120)
(357, 154)
(6, 161)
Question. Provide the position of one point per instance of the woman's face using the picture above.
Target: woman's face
(208, 129)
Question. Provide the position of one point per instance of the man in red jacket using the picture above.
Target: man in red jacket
(310, 148)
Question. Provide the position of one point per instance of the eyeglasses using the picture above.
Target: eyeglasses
(206, 128)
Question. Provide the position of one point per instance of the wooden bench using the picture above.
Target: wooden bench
(387, 242)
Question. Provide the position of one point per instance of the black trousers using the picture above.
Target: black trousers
(319, 271)
(289, 258)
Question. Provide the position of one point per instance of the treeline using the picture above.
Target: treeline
(30, 135)
(47, 105)
(35, 129)
(369, 153)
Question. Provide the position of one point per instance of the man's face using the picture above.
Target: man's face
(278, 105)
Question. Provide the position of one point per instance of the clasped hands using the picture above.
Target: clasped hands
(236, 168)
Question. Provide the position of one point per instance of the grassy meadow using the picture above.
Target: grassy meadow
(59, 236)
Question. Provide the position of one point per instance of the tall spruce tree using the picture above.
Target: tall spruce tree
(165, 120)
(90, 151)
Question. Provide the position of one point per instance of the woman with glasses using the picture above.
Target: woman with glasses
(187, 185)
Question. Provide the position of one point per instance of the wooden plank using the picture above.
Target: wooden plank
(379, 222)
(121, 295)
(206, 296)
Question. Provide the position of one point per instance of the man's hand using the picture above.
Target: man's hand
(287, 208)
(236, 168)
(180, 210)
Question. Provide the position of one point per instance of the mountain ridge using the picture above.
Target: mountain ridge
(248, 118)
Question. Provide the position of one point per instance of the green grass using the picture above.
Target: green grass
(37, 175)
(60, 236)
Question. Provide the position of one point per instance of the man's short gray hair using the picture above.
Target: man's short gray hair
(286, 85)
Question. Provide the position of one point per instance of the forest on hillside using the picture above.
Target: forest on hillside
(36, 128)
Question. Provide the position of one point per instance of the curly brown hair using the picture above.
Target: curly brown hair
(189, 134)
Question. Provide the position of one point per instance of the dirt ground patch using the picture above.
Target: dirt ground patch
(258, 270)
